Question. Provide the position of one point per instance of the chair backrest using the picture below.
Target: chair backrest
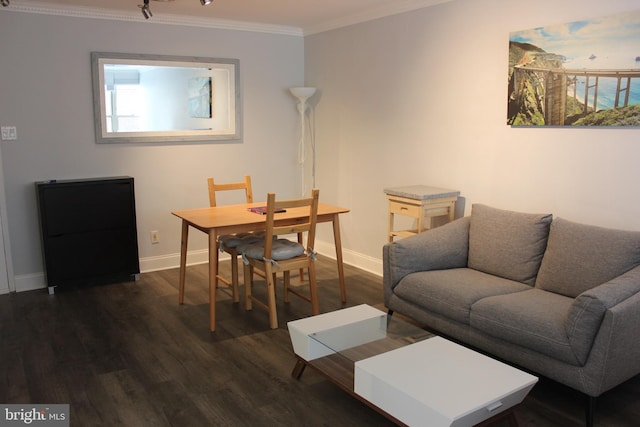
(308, 226)
(246, 186)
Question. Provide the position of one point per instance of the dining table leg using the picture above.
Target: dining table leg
(338, 243)
(213, 272)
(183, 260)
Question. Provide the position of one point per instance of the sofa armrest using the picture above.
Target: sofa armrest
(436, 249)
(617, 348)
(617, 289)
(589, 309)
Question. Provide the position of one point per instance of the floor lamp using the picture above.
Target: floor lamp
(304, 93)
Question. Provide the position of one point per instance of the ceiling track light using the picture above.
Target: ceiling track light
(144, 8)
(5, 3)
(146, 12)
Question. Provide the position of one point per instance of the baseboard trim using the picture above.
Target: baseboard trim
(30, 282)
(356, 259)
(166, 262)
(34, 281)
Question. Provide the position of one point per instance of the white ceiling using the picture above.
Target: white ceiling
(307, 16)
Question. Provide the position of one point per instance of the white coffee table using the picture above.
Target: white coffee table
(411, 376)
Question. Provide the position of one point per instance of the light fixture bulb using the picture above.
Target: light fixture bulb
(206, 2)
(302, 93)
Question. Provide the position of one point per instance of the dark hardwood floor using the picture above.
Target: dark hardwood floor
(128, 354)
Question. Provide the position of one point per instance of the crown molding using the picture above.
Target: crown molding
(395, 8)
(121, 15)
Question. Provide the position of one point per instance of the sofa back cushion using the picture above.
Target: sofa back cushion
(580, 257)
(507, 244)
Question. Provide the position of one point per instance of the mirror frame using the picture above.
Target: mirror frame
(98, 59)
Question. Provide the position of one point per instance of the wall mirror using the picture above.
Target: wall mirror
(155, 98)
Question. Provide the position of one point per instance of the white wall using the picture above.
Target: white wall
(420, 98)
(45, 91)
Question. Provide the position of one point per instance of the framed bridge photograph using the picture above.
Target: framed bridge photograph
(583, 73)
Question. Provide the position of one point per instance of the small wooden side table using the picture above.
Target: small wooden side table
(422, 203)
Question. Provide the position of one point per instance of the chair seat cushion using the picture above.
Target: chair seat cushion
(282, 249)
(234, 240)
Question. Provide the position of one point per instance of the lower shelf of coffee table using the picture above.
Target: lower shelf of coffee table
(339, 370)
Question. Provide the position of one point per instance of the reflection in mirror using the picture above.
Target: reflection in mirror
(152, 98)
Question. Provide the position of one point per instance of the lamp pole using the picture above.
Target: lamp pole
(304, 93)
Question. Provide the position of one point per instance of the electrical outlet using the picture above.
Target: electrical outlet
(155, 237)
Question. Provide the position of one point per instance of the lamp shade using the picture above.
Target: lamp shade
(303, 92)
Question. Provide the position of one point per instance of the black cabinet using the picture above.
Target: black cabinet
(88, 228)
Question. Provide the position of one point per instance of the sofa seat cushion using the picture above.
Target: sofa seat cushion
(534, 319)
(507, 244)
(580, 257)
(451, 293)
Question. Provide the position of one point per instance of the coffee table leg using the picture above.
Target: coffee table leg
(299, 368)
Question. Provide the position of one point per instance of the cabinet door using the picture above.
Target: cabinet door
(88, 230)
(87, 206)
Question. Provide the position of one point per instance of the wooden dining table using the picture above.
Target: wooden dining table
(231, 219)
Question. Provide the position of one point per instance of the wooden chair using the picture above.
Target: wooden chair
(245, 186)
(272, 255)
(228, 243)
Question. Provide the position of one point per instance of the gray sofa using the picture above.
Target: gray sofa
(555, 297)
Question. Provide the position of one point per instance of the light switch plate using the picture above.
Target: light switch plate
(9, 133)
